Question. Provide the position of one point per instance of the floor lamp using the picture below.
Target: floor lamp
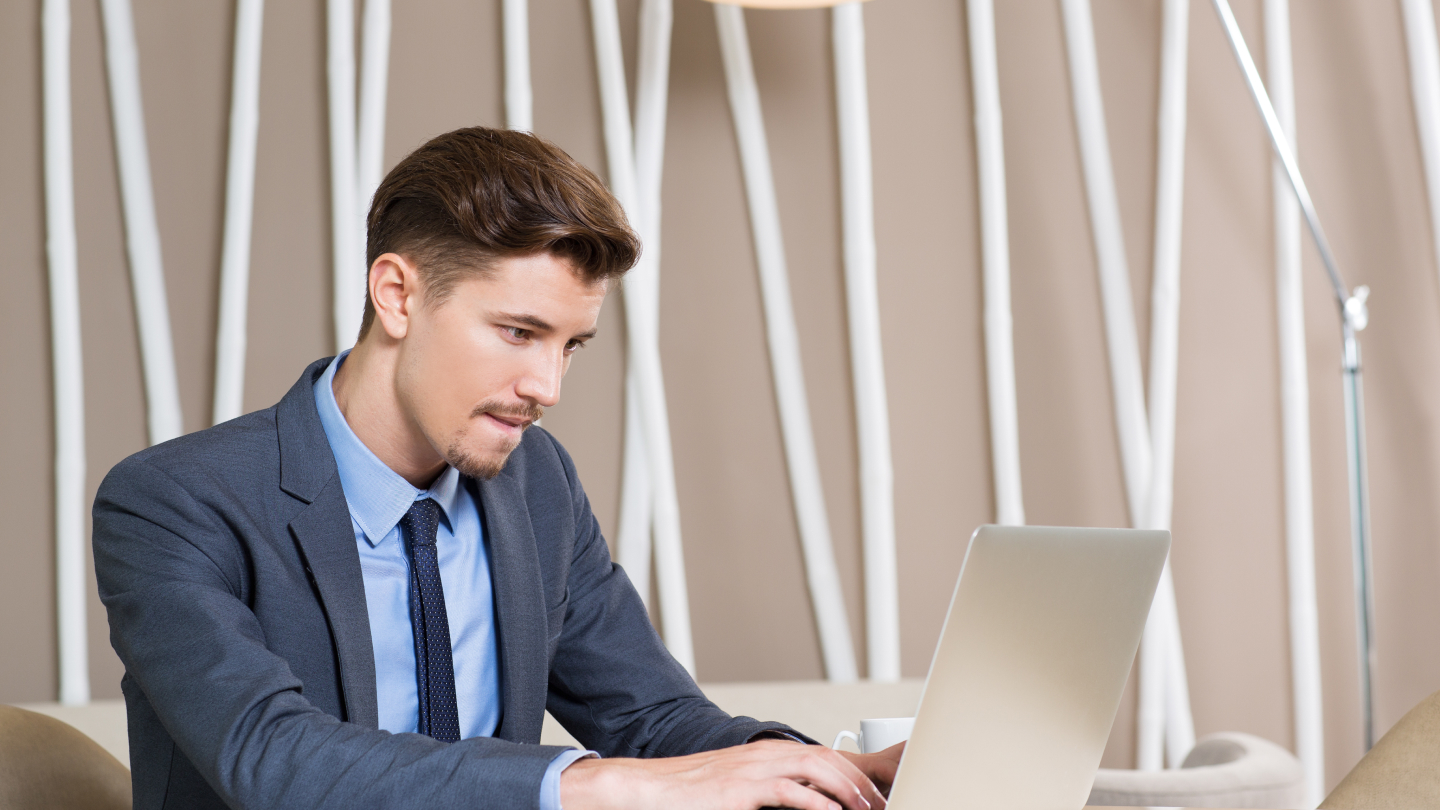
(1354, 315)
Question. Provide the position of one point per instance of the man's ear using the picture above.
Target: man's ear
(395, 293)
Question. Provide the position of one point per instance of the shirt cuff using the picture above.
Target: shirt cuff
(550, 785)
(775, 734)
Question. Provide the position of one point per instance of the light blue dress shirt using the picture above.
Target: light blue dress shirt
(378, 497)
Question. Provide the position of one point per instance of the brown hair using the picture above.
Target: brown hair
(473, 196)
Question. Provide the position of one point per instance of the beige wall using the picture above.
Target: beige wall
(749, 603)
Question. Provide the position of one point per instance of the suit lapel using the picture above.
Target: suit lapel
(519, 606)
(333, 563)
(322, 530)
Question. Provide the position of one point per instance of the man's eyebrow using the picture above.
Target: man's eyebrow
(528, 320)
(540, 325)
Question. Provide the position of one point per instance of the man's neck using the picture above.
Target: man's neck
(366, 395)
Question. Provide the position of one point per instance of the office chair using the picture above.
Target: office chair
(45, 763)
(1401, 771)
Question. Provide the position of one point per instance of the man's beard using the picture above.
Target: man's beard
(485, 467)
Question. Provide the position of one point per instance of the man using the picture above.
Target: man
(368, 594)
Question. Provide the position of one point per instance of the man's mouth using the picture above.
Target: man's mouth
(511, 422)
(510, 417)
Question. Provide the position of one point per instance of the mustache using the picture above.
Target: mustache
(528, 411)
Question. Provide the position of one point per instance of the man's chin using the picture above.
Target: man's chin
(480, 466)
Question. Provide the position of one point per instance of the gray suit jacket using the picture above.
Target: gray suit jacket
(228, 565)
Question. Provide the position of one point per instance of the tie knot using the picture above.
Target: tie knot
(421, 522)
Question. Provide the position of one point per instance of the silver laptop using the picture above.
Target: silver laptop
(1032, 660)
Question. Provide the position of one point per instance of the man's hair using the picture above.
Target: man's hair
(470, 197)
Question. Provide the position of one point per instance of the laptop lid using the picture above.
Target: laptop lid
(1026, 679)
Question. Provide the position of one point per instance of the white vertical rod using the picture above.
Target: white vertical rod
(67, 363)
(995, 257)
(821, 572)
(374, 86)
(1165, 287)
(637, 504)
(651, 101)
(519, 98)
(1424, 52)
(239, 212)
(1124, 349)
(1295, 407)
(872, 411)
(1164, 635)
(652, 91)
(1164, 699)
(644, 349)
(142, 233)
(348, 271)
(1179, 733)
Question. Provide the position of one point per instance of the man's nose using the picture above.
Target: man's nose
(541, 382)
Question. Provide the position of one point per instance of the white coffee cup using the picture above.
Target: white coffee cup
(878, 734)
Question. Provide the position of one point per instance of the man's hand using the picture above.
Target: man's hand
(766, 773)
(879, 767)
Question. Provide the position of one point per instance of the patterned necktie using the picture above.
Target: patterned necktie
(434, 671)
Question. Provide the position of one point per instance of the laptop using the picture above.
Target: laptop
(1027, 677)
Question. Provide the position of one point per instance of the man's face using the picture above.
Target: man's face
(476, 370)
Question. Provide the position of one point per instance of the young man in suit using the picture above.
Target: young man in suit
(368, 594)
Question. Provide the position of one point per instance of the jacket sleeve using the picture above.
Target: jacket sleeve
(613, 685)
(173, 576)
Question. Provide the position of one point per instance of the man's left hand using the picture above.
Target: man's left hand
(880, 766)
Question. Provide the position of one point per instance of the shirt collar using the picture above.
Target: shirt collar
(377, 495)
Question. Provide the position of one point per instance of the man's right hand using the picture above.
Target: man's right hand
(766, 773)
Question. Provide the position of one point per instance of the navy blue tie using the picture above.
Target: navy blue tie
(434, 671)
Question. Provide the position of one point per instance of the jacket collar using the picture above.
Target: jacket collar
(306, 463)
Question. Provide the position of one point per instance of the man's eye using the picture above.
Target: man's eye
(574, 346)
(518, 333)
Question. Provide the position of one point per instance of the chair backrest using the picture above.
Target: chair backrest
(1402, 770)
(45, 763)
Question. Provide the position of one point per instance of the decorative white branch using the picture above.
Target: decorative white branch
(1424, 53)
(1164, 721)
(872, 410)
(995, 257)
(519, 98)
(1295, 408)
(142, 233)
(346, 238)
(66, 359)
(374, 86)
(789, 379)
(651, 97)
(644, 342)
(1164, 632)
(239, 212)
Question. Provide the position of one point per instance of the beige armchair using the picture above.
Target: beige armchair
(1402, 771)
(1223, 770)
(45, 763)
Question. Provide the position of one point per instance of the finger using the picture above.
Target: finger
(787, 793)
(821, 772)
(860, 777)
